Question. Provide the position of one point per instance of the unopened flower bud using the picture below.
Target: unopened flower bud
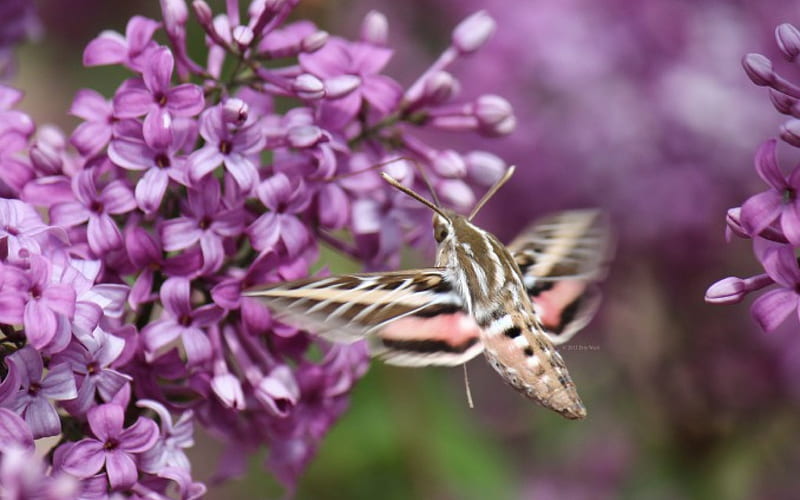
(235, 111)
(243, 36)
(375, 28)
(473, 32)
(308, 86)
(484, 168)
(729, 290)
(440, 88)
(314, 41)
(449, 163)
(456, 193)
(758, 69)
(782, 102)
(788, 38)
(175, 12)
(203, 12)
(304, 136)
(790, 132)
(342, 85)
(495, 115)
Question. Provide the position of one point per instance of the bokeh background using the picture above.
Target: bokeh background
(637, 106)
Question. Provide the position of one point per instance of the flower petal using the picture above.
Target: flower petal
(42, 418)
(139, 437)
(180, 233)
(151, 188)
(759, 211)
(772, 308)
(185, 100)
(106, 421)
(767, 165)
(103, 234)
(84, 458)
(121, 470)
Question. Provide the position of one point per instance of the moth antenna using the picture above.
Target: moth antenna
(383, 164)
(391, 180)
(466, 387)
(492, 190)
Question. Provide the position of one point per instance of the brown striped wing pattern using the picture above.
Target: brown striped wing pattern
(409, 318)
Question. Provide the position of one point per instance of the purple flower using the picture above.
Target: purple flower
(181, 320)
(91, 136)
(174, 438)
(32, 401)
(772, 308)
(160, 163)
(91, 359)
(235, 146)
(43, 305)
(350, 71)
(155, 97)
(207, 221)
(114, 446)
(132, 50)
(14, 432)
(23, 229)
(284, 199)
(781, 201)
(96, 207)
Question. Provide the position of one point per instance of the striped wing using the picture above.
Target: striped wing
(561, 258)
(410, 318)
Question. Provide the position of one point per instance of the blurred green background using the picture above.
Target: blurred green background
(686, 400)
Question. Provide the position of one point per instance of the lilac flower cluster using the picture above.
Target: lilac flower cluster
(126, 244)
(771, 218)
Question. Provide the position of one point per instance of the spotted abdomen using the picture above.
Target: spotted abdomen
(526, 359)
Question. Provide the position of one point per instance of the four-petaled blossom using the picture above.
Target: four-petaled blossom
(155, 97)
(90, 360)
(226, 143)
(181, 320)
(97, 207)
(132, 50)
(207, 221)
(284, 199)
(32, 399)
(350, 71)
(781, 201)
(43, 305)
(115, 447)
(772, 308)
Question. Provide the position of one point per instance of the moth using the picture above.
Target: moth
(513, 304)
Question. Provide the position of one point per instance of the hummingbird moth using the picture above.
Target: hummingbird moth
(512, 303)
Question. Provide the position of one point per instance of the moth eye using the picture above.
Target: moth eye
(440, 233)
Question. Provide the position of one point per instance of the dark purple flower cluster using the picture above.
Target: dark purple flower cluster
(771, 218)
(125, 245)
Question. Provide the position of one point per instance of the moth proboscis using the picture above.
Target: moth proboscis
(513, 303)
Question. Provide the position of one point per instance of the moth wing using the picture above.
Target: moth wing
(409, 318)
(561, 258)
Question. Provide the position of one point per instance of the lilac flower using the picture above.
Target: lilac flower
(285, 199)
(173, 439)
(114, 446)
(181, 320)
(132, 50)
(781, 201)
(22, 228)
(96, 207)
(32, 401)
(91, 136)
(44, 306)
(235, 146)
(772, 308)
(90, 359)
(160, 164)
(208, 221)
(350, 71)
(155, 97)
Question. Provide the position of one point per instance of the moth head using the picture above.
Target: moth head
(442, 227)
